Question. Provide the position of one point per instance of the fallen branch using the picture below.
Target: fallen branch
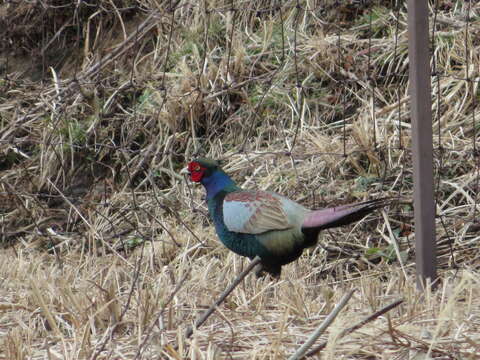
(358, 325)
(221, 298)
(323, 326)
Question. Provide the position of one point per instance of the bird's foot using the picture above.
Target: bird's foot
(262, 269)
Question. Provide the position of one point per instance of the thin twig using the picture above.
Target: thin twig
(323, 326)
(358, 325)
(160, 314)
(222, 297)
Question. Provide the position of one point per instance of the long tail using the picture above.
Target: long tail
(338, 216)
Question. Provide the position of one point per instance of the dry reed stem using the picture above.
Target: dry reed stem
(322, 327)
(199, 322)
(358, 325)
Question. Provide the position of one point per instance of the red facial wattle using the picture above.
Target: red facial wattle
(196, 176)
(196, 171)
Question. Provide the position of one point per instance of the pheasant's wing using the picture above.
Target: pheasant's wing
(256, 212)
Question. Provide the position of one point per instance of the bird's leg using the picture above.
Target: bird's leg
(274, 270)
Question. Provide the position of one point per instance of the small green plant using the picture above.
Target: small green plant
(363, 183)
(376, 23)
(133, 243)
(387, 253)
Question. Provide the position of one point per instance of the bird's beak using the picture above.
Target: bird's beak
(184, 171)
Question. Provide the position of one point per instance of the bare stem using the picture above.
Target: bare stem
(323, 326)
(358, 325)
(222, 297)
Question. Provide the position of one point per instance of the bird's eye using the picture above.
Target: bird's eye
(197, 167)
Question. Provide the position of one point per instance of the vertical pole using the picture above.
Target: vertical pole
(422, 141)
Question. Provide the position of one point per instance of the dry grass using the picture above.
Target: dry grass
(107, 253)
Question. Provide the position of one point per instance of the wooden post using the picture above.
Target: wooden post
(422, 141)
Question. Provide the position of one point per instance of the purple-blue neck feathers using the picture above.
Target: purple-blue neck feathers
(217, 182)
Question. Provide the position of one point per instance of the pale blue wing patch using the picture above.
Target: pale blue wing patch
(256, 212)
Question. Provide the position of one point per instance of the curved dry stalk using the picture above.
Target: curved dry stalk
(323, 326)
(222, 297)
(358, 325)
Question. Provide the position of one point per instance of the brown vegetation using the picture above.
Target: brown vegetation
(107, 252)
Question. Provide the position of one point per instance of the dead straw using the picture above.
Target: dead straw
(358, 325)
(222, 297)
(323, 326)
